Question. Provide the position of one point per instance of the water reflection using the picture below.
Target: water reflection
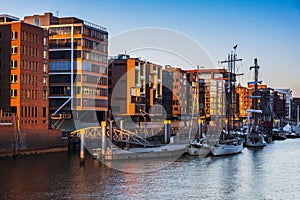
(270, 173)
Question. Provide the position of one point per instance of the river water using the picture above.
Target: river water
(269, 173)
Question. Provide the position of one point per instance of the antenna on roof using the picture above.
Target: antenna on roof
(57, 12)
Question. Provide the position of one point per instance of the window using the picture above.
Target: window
(14, 49)
(0, 35)
(22, 35)
(13, 78)
(13, 93)
(13, 63)
(44, 111)
(14, 35)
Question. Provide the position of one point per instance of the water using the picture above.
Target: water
(269, 173)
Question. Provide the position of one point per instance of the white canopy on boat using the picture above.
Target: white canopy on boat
(297, 129)
(287, 128)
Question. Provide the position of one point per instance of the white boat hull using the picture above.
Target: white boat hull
(171, 150)
(226, 149)
(202, 150)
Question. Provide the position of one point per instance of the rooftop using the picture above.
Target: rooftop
(8, 18)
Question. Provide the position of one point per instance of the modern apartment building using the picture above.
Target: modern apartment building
(212, 87)
(135, 89)
(23, 77)
(242, 106)
(279, 104)
(77, 52)
(295, 109)
(250, 91)
(176, 97)
(288, 103)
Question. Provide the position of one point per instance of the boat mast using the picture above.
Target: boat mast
(255, 93)
(231, 96)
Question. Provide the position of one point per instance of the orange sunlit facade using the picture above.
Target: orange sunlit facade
(24, 90)
(178, 101)
(250, 91)
(134, 87)
(213, 97)
(242, 93)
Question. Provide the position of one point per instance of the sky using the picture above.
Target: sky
(268, 30)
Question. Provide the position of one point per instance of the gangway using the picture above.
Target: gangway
(118, 136)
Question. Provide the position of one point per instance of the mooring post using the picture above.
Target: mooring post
(82, 160)
(200, 124)
(103, 139)
(167, 131)
(121, 124)
(110, 132)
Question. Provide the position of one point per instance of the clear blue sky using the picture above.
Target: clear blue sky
(267, 30)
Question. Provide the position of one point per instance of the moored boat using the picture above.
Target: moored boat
(255, 140)
(228, 144)
(198, 148)
(277, 135)
(255, 136)
(227, 148)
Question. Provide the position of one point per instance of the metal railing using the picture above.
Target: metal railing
(95, 26)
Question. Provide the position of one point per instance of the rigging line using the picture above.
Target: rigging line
(241, 78)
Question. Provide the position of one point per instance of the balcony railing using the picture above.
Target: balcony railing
(95, 26)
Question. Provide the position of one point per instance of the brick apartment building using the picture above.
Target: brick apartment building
(22, 73)
(78, 89)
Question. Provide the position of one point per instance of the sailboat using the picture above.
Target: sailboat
(226, 145)
(255, 137)
(199, 146)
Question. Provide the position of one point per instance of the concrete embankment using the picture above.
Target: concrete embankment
(26, 142)
(36, 151)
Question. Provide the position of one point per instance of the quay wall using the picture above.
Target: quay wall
(30, 141)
